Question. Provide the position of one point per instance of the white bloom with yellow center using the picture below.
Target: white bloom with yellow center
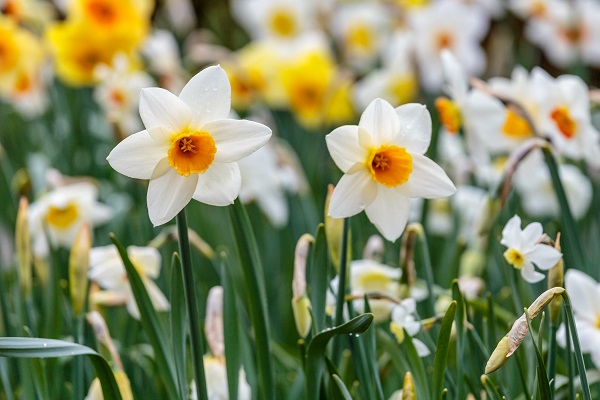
(525, 250)
(189, 148)
(384, 166)
(107, 269)
(62, 212)
(403, 319)
(564, 115)
(584, 292)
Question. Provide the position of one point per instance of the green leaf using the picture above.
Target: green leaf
(231, 334)
(460, 317)
(341, 289)
(417, 368)
(18, 347)
(150, 324)
(252, 271)
(178, 325)
(319, 278)
(315, 352)
(342, 388)
(585, 387)
(490, 388)
(368, 351)
(441, 353)
(542, 378)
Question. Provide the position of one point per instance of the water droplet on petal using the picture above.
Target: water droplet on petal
(45, 344)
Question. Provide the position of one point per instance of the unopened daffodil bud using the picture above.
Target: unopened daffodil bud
(556, 279)
(408, 388)
(23, 242)
(79, 265)
(333, 230)
(213, 325)
(301, 308)
(498, 357)
(300, 302)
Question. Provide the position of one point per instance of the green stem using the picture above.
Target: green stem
(585, 387)
(570, 368)
(78, 391)
(341, 290)
(426, 264)
(192, 307)
(552, 357)
(574, 253)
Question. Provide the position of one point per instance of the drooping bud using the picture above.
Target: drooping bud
(301, 309)
(408, 388)
(498, 357)
(104, 339)
(556, 279)
(334, 228)
(23, 243)
(213, 325)
(374, 249)
(300, 302)
(79, 264)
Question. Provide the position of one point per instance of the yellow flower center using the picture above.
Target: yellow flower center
(449, 114)
(360, 37)
(283, 23)
(9, 51)
(192, 152)
(563, 120)
(443, 40)
(515, 258)
(398, 331)
(515, 126)
(597, 324)
(373, 282)
(103, 12)
(390, 165)
(62, 217)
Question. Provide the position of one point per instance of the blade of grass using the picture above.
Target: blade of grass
(178, 325)
(341, 387)
(441, 353)
(319, 278)
(18, 347)
(150, 324)
(253, 279)
(460, 318)
(231, 334)
(585, 387)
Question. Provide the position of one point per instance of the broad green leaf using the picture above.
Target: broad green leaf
(253, 279)
(18, 347)
(150, 324)
(441, 353)
(315, 352)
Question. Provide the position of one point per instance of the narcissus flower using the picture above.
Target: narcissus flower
(403, 319)
(189, 148)
(525, 250)
(384, 166)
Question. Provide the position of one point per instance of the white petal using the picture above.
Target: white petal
(344, 147)
(585, 294)
(389, 212)
(137, 155)
(530, 275)
(159, 301)
(146, 258)
(454, 75)
(381, 121)
(511, 234)
(543, 256)
(208, 94)
(168, 194)
(352, 194)
(531, 234)
(219, 185)
(415, 127)
(159, 107)
(422, 349)
(427, 180)
(236, 139)
(412, 327)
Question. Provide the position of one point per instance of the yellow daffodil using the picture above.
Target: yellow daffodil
(384, 166)
(189, 148)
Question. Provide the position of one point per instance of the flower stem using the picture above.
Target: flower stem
(585, 387)
(192, 307)
(552, 357)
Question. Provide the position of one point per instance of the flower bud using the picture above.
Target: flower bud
(79, 264)
(95, 392)
(103, 337)
(334, 228)
(213, 325)
(556, 279)
(408, 388)
(300, 258)
(498, 357)
(23, 242)
(301, 308)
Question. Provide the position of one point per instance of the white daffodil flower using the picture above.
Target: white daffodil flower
(403, 319)
(525, 250)
(189, 148)
(61, 212)
(585, 299)
(108, 271)
(384, 166)
(216, 381)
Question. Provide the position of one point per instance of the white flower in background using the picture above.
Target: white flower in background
(267, 175)
(564, 115)
(118, 92)
(278, 19)
(469, 203)
(61, 212)
(181, 15)
(534, 185)
(403, 319)
(216, 381)
(492, 8)
(28, 94)
(396, 81)
(569, 31)
(584, 293)
(360, 30)
(452, 26)
(108, 271)
(534, 9)
(162, 52)
(190, 148)
(525, 250)
(384, 166)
